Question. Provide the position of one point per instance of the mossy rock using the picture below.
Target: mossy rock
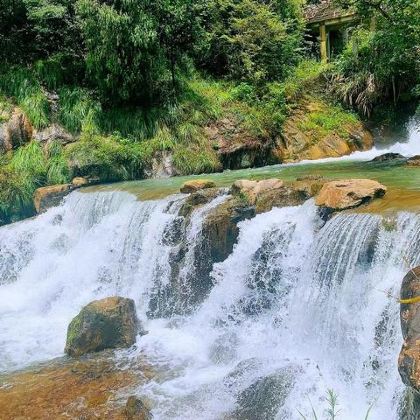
(103, 324)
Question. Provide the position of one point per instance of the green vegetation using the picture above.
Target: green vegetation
(27, 169)
(130, 79)
(329, 119)
(381, 62)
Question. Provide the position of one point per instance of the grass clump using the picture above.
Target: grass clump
(20, 84)
(109, 158)
(29, 168)
(326, 120)
(76, 107)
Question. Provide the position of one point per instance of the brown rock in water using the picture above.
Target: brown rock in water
(346, 194)
(16, 132)
(251, 190)
(409, 359)
(414, 161)
(46, 197)
(135, 409)
(103, 324)
(269, 193)
(79, 181)
(195, 185)
(67, 388)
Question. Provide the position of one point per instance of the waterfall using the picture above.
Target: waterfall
(298, 307)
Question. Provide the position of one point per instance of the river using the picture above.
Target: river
(298, 308)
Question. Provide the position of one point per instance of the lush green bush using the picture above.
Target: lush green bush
(134, 48)
(252, 40)
(381, 63)
(21, 84)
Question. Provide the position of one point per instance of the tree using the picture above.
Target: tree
(382, 61)
(134, 47)
(252, 40)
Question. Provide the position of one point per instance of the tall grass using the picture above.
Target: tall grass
(21, 84)
(19, 177)
(58, 171)
(77, 108)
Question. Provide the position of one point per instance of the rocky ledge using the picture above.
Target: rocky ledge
(47, 197)
(92, 387)
(409, 358)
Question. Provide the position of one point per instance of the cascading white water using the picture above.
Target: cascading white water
(407, 146)
(298, 308)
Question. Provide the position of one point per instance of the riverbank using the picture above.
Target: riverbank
(213, 126)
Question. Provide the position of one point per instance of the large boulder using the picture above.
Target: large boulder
(269, 193)
(252, 190)
(194, 185)
(236, 146)
(409, 359)
(103, 324)
(51, 196)
(347, 194)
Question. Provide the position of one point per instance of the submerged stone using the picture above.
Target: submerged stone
(136, 409)
(67, 388)
(265, 397)
(103, 324)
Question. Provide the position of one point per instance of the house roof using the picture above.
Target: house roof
(325, 11)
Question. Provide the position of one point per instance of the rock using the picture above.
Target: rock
(51, 196)
(252, 190)
(236, 146)
(386, 157)
(73, 388)
(409, 359)
(265, 397)
(221, 231)
(135, 409)
(269, 193)
(103, 324)
(346, 194)
(54, 133)
(79, 181)
(195, 185)
(198, 198)
(16, 132)
(303, 138)
(414, 161)
(162, 165)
